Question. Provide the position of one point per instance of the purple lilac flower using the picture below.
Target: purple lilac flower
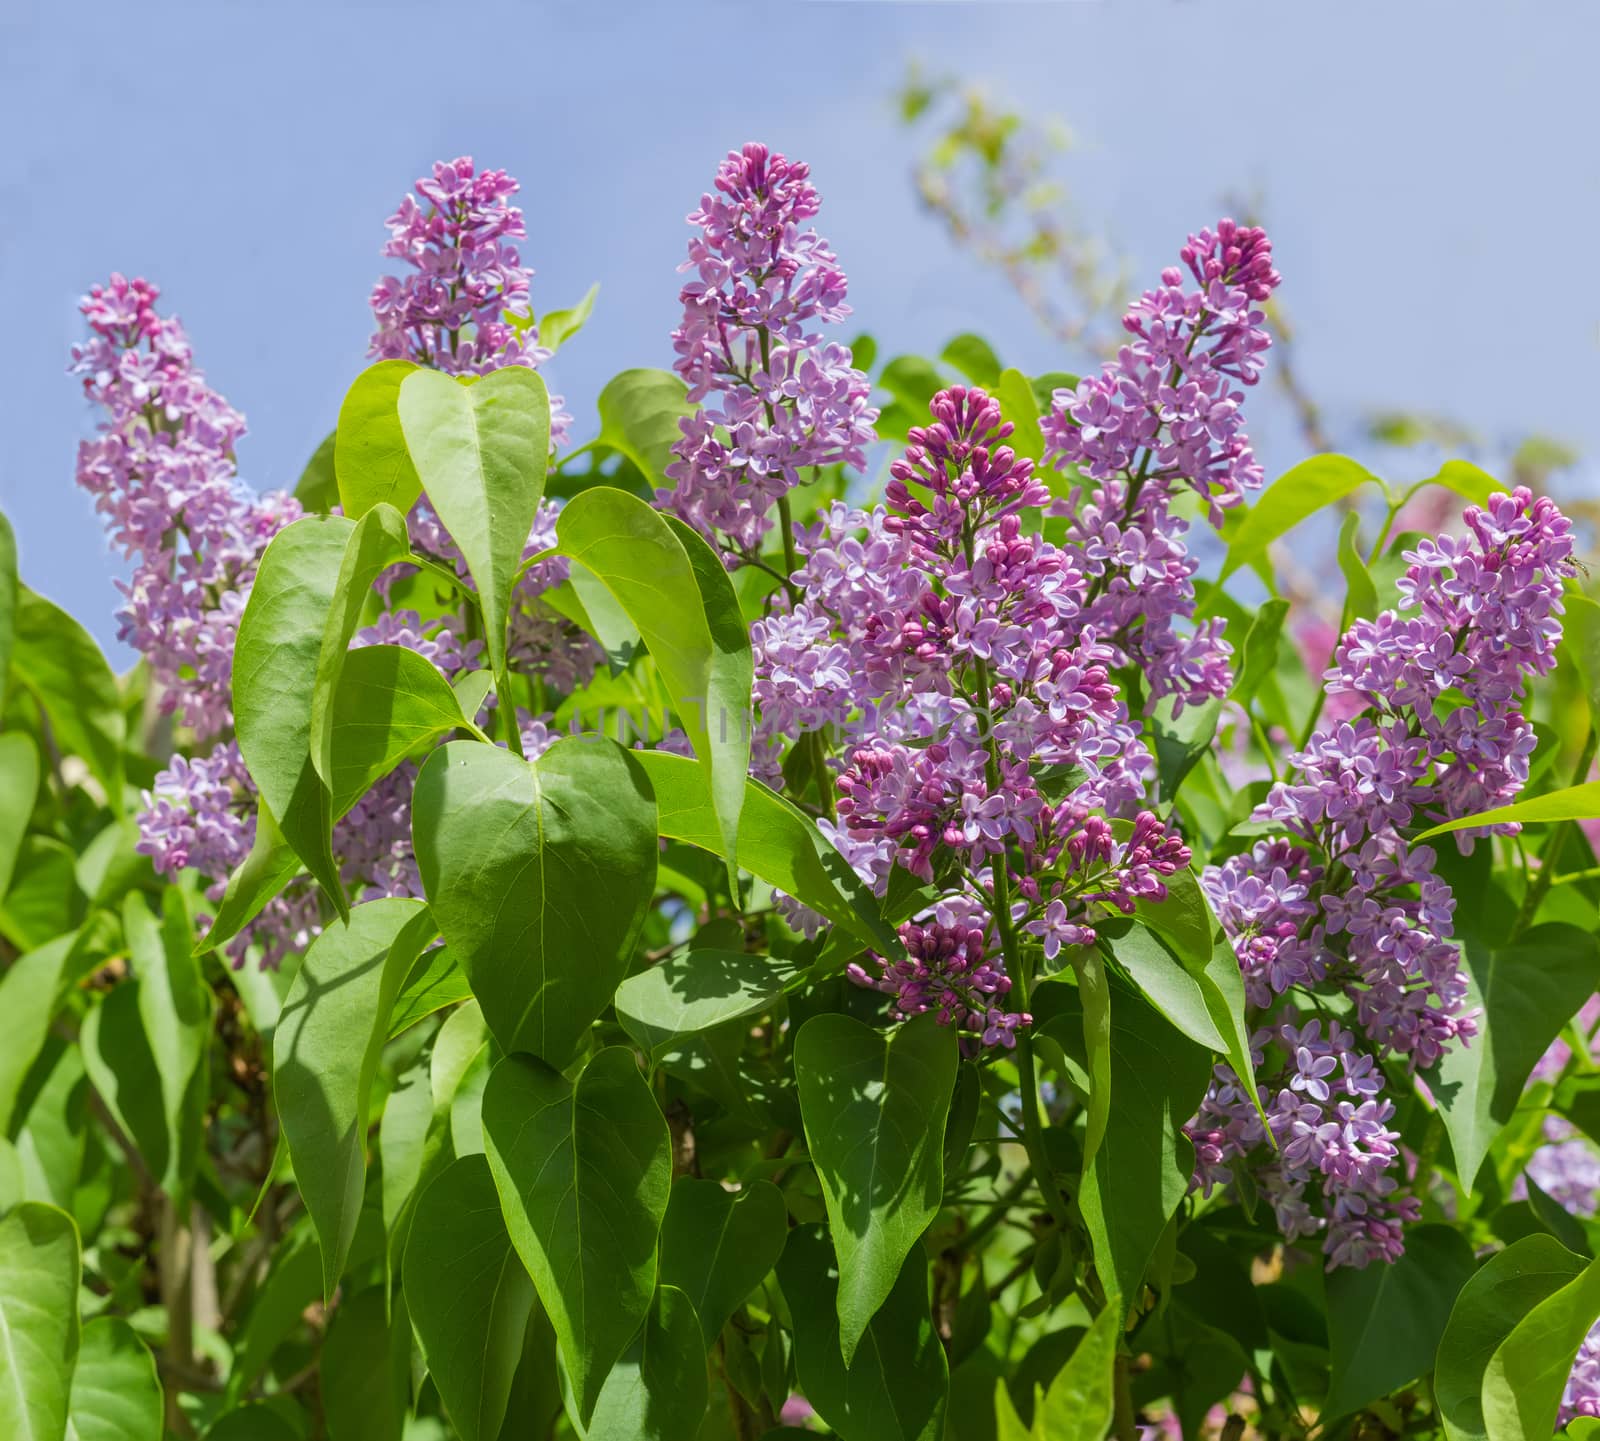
(1166, 415)
(946, 637)
(162, 474)
(463, 307)
(1345, 904)
(777, 398)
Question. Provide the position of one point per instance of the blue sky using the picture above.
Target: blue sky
(1428, 170)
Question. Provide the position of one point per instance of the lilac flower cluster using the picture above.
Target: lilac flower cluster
(463, 308)
(1345, 905)
(949, 637)
(784, 400)
(162, 473)
(1163, 416)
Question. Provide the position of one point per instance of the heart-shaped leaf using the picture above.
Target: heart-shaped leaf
(695, 991)
(274, 677)
(481, 446)
(657, 1389)
(897, 1385)
(325, 1056)
(370, 457)
(116, 1393)
(874, 1107)
(583, 1169)
(677, 595)
(468, 1295)
(39, 1271)
(778, 842)
(539, 875)
(1503, 1290)
(390, 703)
(378, 541)
(717, 1245)
(1526, 991)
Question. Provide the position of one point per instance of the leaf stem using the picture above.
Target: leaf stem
(1027, 1077)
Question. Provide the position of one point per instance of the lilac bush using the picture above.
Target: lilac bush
(826, 905)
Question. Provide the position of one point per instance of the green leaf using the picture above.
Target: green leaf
(274, 677)
(1260, 653)
(325, 1056)
(370, 458)
(9, 597)
(696, 991)
(657, 1389)
(717, 1245)
(1180, 741)
(974, 357)
(1361, 594)
(1523, 1381)
(539, 876)
(1135, 1178)
(175, 1010)
(1527, 991)
(468, 1295)
(1299, 493)
(317, 490)
(583, 1172)
(19, 787)
(689, 618)
(1079, 1404)
(1467, 481)
(874, 1107)
(116, 1394)
(378, 541)
(256, 1421)
(1153, 966)
(1499, 1294)
(44, 899)
(291, 1284)
(1575, 803)
(1385, 1321)
(896, 1386)
(727, 707)
(39, 1271)
(56, 660)
(28, 993)
(559, 326)
(778, 842)
(436, 982)
(365, 1369)
(1583, 645)
(146, 1045)
(1019, 405)
(639, 415)
(391, 702)
(481, 450)
(1184, 919)
(261, 875)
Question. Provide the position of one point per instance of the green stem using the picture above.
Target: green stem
(998, 1210)
(1027, 1075)
(1125, 1427)
(1554, 843)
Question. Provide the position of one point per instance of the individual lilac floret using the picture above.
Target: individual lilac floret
(1163, 416)
(776, 399)
(463, 307)
(1346, 903)
(162, 474)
